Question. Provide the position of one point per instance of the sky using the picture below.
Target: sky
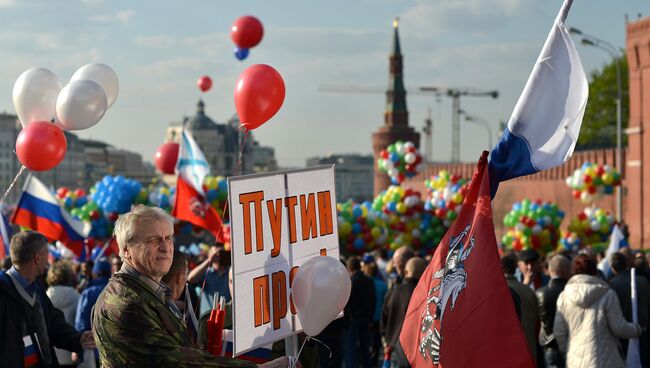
(160, 48)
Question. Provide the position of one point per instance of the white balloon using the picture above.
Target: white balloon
(81, 104)
(320, 291)
(34, 95)
(409, 158)
(101, 74)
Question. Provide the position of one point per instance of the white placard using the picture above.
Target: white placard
(277, 221)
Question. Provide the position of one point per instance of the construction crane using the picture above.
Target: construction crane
(453, 92)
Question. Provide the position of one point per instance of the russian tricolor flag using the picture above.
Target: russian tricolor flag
(30, 356)
(544, 127)
(39, 210)
(5, 236)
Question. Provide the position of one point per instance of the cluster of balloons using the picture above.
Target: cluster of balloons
(161, 196)
(71, 198)
(216, 191)
(46, 108)
(570, 241)
(407, 221)
(446, 195)
(532, 225)
(400, 160)
(115, 194)
(360, 228)
(591, 181)
(592, 226)
(246, 33)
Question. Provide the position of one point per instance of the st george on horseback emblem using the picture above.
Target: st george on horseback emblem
(448, 282)
(198, 206)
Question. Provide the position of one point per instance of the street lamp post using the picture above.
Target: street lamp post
(478, 120)
(589, 40)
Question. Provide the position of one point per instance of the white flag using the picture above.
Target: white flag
(633, 359)
(614, 246)
(544, 127)
(192, 165)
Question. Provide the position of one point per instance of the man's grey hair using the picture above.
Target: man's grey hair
(126, 225)
(560, 266)
(24, 245)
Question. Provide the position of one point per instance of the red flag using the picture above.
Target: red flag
(461, 313)
(192, 207)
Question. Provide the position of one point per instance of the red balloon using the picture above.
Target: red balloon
(204, 83)
(259, 94)
(61, 192)
(80, 192)
(166, 157)
(247, 32)
(41, 146)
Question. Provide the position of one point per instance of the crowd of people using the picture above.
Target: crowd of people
(65, 313)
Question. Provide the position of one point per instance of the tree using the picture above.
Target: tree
(599, 124)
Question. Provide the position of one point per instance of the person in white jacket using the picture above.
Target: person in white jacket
(64, 297)
(589, 321)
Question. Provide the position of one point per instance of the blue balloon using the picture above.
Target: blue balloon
(359, 243)
(81, 201)
(67, 202)
(356, 228)
(392, 206)
(240, 54)
(211, 194)
(107, 180)
(394, 157)
(222, 185)
(357, 211)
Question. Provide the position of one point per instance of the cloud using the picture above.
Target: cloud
(473, 16)
(158, 41)
(120, 17)
(170, 67)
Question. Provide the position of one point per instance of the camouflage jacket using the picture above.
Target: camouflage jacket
(133, 327)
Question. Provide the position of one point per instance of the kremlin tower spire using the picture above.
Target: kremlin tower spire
(395, 125)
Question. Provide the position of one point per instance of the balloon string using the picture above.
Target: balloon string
(241, 151)
(293, 361)
(223, 213)
(11, 186)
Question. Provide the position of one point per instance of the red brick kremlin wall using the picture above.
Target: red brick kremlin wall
(548, 185)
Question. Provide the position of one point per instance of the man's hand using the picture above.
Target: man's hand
(87, 340)
(279, 363)
(388, 350)
(213, 254)
(528, 275)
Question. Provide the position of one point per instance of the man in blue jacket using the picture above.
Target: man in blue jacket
(101, 273)
(31, 326)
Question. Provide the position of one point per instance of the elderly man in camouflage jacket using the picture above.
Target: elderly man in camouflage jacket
(134, 322)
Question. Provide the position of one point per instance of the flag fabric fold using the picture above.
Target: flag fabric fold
(544, 127)
(39, 210)
(190, 203)
(5, 235)
(461, 313)
(633, 356)
(615, 241)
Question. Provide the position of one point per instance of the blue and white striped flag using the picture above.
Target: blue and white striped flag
(544, 127)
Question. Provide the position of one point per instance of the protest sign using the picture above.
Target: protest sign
(278, 221)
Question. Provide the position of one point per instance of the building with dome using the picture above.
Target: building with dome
(221, 142)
